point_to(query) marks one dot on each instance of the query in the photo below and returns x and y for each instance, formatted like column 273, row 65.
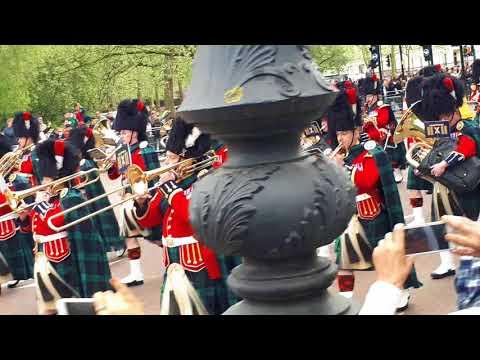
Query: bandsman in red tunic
column 378, row 202
column 131, row 121
column 380, row 124
column 170, row 207
column 27, row 131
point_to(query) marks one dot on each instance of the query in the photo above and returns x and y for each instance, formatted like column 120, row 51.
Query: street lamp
column 401, row 60
column 270, row 203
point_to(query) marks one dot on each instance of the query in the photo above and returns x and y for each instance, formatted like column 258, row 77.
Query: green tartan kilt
column 415, row 182
column 18, row 252
column 66, row 271
column 476, row 120
column 215, row 294
column 106, row 222
column 375, row 231
column 397, row 155
column 470, row 203
column 85, row 284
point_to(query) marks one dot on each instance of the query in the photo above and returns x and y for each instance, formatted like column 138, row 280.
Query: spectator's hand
column 389, row 258
column 123, row 302
column 466, row 235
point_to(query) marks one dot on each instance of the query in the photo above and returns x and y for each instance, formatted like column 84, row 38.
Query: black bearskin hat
column 430, row 70
column 341, row 116
column 5, row 146
column 187, row 140
column 476, row 72
column 132, row 115
column 82, row 138
column 371, row 85
column 25, row 125
column 441, row 94
column 57, row 158
column 413, row 93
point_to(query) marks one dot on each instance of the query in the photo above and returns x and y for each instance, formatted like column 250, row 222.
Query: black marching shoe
column 437, row 276
column 404, row 301
column 134, row 283
column 13, row 284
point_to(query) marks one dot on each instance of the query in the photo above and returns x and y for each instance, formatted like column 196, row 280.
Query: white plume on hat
column 190, row 141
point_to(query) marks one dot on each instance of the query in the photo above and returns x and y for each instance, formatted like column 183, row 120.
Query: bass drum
column 462, row 178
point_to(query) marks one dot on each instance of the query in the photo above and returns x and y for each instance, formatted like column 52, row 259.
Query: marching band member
column 169, row 206
column 105, row 222
column 16, row 240
column 76, row 254
column 382, row 126
column 475, row 91
column 415, row 184
column 378, row 201
column 131, row 121
column 442, row 98
column 27, row 130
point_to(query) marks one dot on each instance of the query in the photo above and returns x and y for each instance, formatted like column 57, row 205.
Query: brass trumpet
column 138, row 180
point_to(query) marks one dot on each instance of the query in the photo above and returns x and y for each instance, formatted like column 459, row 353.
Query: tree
column 332, row 57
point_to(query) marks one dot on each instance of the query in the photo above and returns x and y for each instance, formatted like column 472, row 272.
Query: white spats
column 397, row 174
column 136, row 275
column 403, row 301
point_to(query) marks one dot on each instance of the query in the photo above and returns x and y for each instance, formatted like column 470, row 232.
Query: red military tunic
column 222, row 154
column 137, row 159
column 55, row 245
column 178, row 233
column 384, row 121
column 8, row 228
column 26, row 169
column 366, row 177
column 466, row 146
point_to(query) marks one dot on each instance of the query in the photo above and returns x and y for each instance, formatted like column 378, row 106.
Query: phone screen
column 427, row 238
column 76, row 307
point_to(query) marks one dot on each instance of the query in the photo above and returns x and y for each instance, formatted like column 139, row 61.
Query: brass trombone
column 14, row 199
column 138, row 180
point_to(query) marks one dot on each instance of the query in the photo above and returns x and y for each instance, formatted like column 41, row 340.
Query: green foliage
column 332, row 57
column 49, row 80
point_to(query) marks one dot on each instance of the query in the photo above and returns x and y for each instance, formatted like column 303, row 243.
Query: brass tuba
column 411, row 126
column 12, row 160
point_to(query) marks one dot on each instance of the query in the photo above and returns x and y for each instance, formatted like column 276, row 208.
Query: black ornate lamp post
column 270, row 203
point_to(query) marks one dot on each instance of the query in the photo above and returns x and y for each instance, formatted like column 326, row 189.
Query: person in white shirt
column 393, row 266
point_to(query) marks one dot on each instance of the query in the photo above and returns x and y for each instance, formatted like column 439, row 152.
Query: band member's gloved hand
column 389, row 258
column 168, row 185
column 438, row 169
column 364, row 137
column 465, row 234
column 122, row 302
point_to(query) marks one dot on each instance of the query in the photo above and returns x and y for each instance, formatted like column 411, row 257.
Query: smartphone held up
column 426, row 238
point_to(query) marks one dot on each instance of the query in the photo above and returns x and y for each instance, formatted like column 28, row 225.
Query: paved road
column 435, row 297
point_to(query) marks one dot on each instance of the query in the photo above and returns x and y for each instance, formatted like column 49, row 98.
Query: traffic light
column 427, row 53
column 388, row 60
column 375, row 51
